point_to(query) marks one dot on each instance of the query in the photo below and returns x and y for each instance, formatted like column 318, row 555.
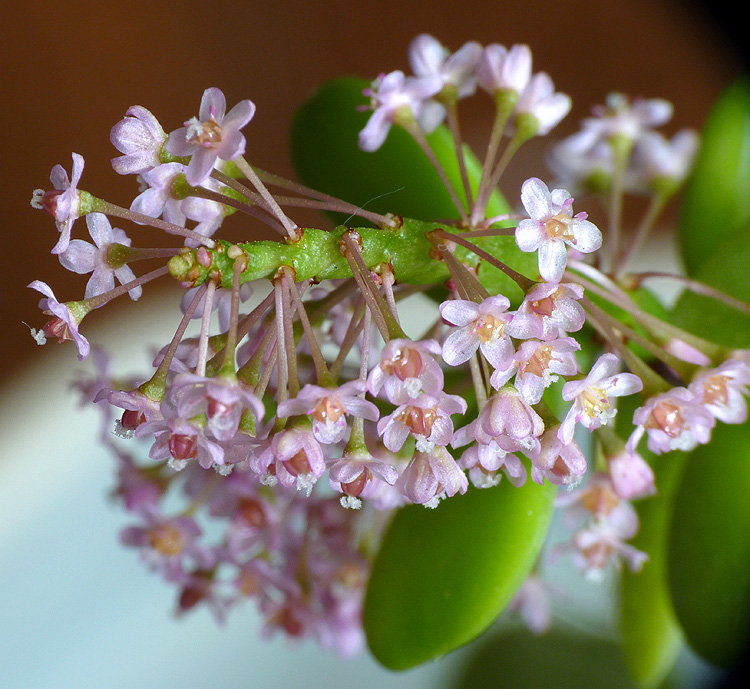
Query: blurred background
column 71, row 69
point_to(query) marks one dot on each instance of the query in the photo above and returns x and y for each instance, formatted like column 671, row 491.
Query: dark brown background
column 71, row 70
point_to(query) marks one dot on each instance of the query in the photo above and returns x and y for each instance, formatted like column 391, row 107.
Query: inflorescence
column 313, row 398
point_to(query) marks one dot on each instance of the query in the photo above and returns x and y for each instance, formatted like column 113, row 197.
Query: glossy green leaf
column 716, row 201
column 397, row 178
column 727, row 270
column 651, row 635
column 556, row 660
column 443, row 575
column 709, row 547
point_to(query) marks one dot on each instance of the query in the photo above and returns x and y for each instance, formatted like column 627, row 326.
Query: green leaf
column 556, row 660
column 651, row 635
column 443, row 575
column 709, row 547
column 716, row 201
column 727, row 271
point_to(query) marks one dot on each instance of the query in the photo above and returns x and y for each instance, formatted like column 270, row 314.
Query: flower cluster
column 295, row 430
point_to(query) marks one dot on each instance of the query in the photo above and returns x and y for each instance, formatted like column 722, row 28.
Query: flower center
column 600, row 500
column 666, row 417
column 206, row 134
column 558, row 228
column 595, row 402
column 539, row 362
column 298, row 465
column 418, row 420
column 715, row 390
column 406, row 363
column 183, row 446
column 488, row 328
column 328, row 410
column 166, row 539
column 354, row 488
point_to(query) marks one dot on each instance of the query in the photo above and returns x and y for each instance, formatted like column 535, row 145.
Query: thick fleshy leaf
column 727, row 271
column 651, row 635
column 556, row 660
column 709, row 547
column 716, row 201
column 443, row 575
column 397, row 178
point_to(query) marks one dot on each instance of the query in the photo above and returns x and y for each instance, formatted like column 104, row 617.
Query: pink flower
column 560, row 463
column 552, row 226
column 211, row 135
column 591, row 406
column 222, row 400
column 501, row 70
column 541, row 106
column 658, row 161
column 631, row 475
column 394, row 95
column 426, row 418
column 557, row 308
column 65, row 319
column 295, row 458
column 328, row 409
column 353, row 476
column 178, row 441
column 721, row 390
column 406, row 370
column 167, row 543
column 82, row 257
column 428, row 57
column 506, row 415
column 486, row 326
column 621, row 118
column 140, row 137
column 674, row 420
column 537, row 365
column 64, row 203
column 430, row 476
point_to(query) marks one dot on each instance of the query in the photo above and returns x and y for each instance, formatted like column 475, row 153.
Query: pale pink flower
column 631, row 475
column 329, row 407
column 621, row 118
column 406, row 370
column 558, row 462
column 64, row 203
column 551, row 226
column 501, row 70
column 536, row 365
column 157, row 199
column 214, row 134
column 674, row 420
column 167, row 544
column 395, row 95
column 64, row 322
column 542, row 105
column 661, row 163
column 486, row 326
column 557, row 308
column 722, row 390
column 591, row 404
column 82, row 257
column 222, row 399
column 427, row 418
column 141, row 138
column 428, row 57
column 294, row 457
column 430, row 476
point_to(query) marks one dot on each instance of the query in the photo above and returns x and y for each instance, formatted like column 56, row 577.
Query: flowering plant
column 288, row 451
